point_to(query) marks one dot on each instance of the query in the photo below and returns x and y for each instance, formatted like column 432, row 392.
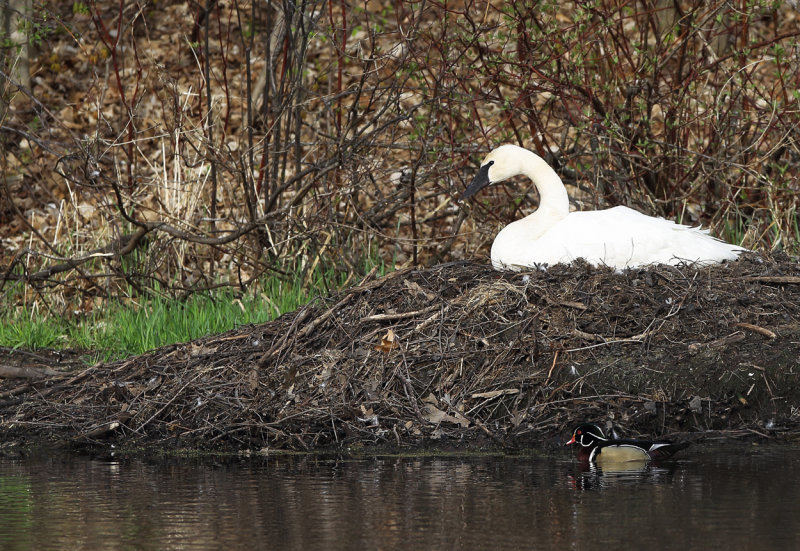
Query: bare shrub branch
column 197, row 148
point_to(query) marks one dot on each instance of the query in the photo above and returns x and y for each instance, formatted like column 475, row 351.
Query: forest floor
column 453, row 357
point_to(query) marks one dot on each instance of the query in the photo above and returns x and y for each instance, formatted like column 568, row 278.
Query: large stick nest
column 458, row 355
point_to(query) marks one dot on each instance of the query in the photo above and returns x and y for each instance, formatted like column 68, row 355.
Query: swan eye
column 490, row 163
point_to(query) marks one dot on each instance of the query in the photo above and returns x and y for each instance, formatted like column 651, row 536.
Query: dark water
column 716, row 497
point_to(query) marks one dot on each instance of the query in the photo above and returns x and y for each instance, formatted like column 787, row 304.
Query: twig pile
column 457, row 354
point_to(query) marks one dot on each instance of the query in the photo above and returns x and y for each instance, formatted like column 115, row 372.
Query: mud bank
column 456, row 356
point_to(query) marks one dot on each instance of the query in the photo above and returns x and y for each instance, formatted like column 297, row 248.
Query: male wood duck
column 594, row 447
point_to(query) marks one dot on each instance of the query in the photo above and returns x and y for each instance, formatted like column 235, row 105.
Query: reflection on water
column 597, row 478
column 739, row 497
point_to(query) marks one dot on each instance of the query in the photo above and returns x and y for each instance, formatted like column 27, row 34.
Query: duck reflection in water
column 589, row 476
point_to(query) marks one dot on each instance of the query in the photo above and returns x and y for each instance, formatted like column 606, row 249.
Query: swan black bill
column 480, row 181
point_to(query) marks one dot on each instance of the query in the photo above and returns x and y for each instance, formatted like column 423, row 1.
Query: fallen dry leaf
column 430, row 399
column 435, row 416
column 416, row 290
column 388, row 342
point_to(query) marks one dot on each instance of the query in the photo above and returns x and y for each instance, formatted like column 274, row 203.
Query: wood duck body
column 594, row 447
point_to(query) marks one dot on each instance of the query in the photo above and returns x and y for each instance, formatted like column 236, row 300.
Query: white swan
column 618, row 237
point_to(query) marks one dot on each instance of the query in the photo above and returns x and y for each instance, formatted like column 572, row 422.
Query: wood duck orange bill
column 593, row 446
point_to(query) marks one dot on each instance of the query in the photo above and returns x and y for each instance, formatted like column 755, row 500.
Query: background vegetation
column 169, row 147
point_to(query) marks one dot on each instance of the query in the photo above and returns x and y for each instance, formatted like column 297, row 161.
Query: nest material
column 459, row 355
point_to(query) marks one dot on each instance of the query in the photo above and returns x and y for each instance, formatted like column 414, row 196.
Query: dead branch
column 14, row 372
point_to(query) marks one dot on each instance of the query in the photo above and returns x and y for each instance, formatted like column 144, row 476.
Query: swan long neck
column 553, row 198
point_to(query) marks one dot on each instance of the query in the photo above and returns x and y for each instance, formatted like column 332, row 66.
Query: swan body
column 618, row 237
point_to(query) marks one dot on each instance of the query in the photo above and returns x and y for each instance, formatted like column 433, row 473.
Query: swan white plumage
column 618, row 237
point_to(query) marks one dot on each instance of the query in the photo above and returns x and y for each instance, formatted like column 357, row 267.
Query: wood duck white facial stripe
column 588, row 436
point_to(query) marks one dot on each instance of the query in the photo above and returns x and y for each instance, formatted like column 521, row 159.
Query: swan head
column 502, row 163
